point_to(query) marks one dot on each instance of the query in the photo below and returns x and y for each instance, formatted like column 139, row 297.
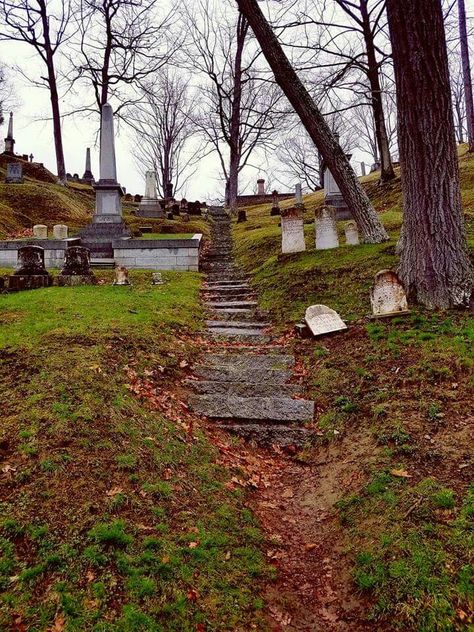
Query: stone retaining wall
column 53, row 251
column 159, row 254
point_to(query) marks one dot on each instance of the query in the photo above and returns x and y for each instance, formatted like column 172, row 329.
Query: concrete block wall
column 159, row 254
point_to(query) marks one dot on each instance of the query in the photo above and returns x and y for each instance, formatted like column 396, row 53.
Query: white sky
column 34, row 135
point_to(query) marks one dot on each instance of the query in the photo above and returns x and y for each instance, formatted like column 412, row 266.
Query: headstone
column 184, row 204
column 175, row 209
column 241, row 217
column 352, row 234
column 185, row 217
column 9, row 140
column 31, row 157
column 75, row 177
column 169, row 215
column 275, row 204
column 363, row 169
column 298, row 194
column 121, row 276
column 260, row 186
column 60, row 231
column 169, row 191
column 323, row 320
column 76, row 270
column 150, row 205
column 88, row 176
column 292, row 231
column 40, row 231
column 30, row 272
column 14, row 173
column 388, row 296
column 157, row 278
column 326, row 229
column 333, row 196
column 375, row 167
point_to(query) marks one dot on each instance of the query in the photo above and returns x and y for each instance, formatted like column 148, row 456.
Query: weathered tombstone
column 352, row 234
column 323, row 320
column 260, row 186
column 298, row 195
column 175, row 209
column 121, row 276
column 157, row 278
column 169, row 215
column 76, row 270
column 241, row 217
column 292, row 231
column 363, row 169
column 275, row 204
column 40, row 231
column 60, row 231
column 388, row 296
column 30, row 272
column 185, row 217
column 326, row 230
column 184, row 205
column 150, row 205
column 14, row 173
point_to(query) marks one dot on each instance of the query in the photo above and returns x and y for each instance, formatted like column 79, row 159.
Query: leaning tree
column 435, row 267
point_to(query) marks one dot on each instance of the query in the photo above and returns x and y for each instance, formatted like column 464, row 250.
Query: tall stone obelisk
column 88, row 175
column 9, row 140
column 107, row 223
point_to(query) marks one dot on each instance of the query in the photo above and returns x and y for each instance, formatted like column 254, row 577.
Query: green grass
column 113, row 515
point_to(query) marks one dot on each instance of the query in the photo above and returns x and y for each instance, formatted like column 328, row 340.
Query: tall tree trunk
column 234, row 136
column 466, row 72
column 364, row 214
column 434, row 266
column 386, row 173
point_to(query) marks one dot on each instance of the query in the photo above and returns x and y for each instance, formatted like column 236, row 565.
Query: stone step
column 231, row 304
column 266, row 435
column 102, row 262
column 229, row 374
column 241, row 324
column 224, row 283
column 216, row 287
column 255, row 361
column 248, row 315
column 232, row 332
column 243, row 389
column 277, row 409
column 225, row 298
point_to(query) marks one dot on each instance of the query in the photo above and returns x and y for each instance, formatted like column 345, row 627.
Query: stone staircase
column 245, row 389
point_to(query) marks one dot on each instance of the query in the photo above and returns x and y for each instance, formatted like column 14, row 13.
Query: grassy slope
column 113, row 517
column 399, row 395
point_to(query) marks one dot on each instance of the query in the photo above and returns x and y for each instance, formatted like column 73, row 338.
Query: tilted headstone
column 326, row 229
column 352, row 234
column 121, row 276
column 60, row 231
column 388, row 297
column 292, row 231
column 76, row 270
column 323, row 320
column 14, row 173
column 40, row 231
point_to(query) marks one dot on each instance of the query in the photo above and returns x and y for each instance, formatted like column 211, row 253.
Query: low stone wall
column 159, row 254
column 53, row 251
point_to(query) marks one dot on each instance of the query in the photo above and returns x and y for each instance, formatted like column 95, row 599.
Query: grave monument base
column 71, row 280
column 18, row 282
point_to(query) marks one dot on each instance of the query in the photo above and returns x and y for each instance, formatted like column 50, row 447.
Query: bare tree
column 367, row 219
column 238, row 110
column 119, row 44
column 163, row 130
column 33, row 22
column 466, row 71
column 435, row 266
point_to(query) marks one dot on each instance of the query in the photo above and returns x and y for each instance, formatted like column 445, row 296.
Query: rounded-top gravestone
column 388, row 296
column 60, row 231
column 77, row 261
column 326, row 229
column 30, row 262
column 352, row 234
column 40, row 231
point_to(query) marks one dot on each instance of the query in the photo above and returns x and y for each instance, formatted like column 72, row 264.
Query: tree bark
column 435, row 267
column 387, row 173
column 466, row 72
column 364, row 214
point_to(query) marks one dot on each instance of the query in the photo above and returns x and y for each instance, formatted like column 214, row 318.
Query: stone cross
column 323, row 320
column 326, row 229
column 387, row 296
column 298, row 194
column 9, row 140
column 31, row 157
column 14, row 173
column 292, row 231
column 352, row 234
column 40, row 231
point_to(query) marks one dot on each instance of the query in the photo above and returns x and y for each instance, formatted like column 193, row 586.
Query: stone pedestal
column 292, row 231
column 241, row 217
column 18, row 282
column 333, row 196
column 150, row 208
column 326, row 230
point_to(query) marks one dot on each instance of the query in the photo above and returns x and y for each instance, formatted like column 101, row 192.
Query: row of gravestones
column 60, row 231
column 292, row 230
column 387, row 299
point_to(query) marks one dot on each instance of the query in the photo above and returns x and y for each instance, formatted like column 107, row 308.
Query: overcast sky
column 33, row 134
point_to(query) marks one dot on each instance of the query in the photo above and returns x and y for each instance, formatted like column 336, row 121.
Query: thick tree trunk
column 386, row 173
column 466, row 72
column 234, row 136
column 364, row 214
column 434, row 267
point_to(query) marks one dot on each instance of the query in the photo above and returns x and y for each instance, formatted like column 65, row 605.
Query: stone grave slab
column 323, row 320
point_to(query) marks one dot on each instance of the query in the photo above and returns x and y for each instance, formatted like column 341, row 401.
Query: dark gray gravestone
column 76, row 269
column 14, row 173
column 30, row 273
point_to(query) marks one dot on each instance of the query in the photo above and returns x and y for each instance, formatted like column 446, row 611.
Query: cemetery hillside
column 237, row 347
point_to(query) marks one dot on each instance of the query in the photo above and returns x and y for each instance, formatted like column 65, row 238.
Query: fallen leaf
column 193, row 545
column 183, row 364
column 90, row 576
column 310, row 546
column 8, row 468
column 165, row 559
column 114, row 491
column 59, row 623
column 288, row 493
column 400, row 473
column 192, row 595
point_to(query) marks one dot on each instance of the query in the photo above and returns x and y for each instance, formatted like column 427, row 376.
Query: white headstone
column 60, row 231
column 326, row 229
column 121, row 276
column 298, row 194
column 388, row 296
column 40, row 231
column 352, row 234
column 150, row 185
column 157, row 278
column 323, row 320
column 292, row 231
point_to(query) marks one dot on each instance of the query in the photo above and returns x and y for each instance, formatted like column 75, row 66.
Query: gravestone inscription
column 388, row 296
column 323, row 320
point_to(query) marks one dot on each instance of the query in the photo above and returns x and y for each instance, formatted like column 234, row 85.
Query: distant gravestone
column 298, row 195
column 40, row 231
column 14, row 173
column 275, row 204
column 157, row 278
column 292, row 231
column 121, row 276
column 326, row 229
column 352, row 234
column 388, row 296
column 323, row 320
column 60, row 231
column 185, row 217
column 76, row 270
column 241, row 217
